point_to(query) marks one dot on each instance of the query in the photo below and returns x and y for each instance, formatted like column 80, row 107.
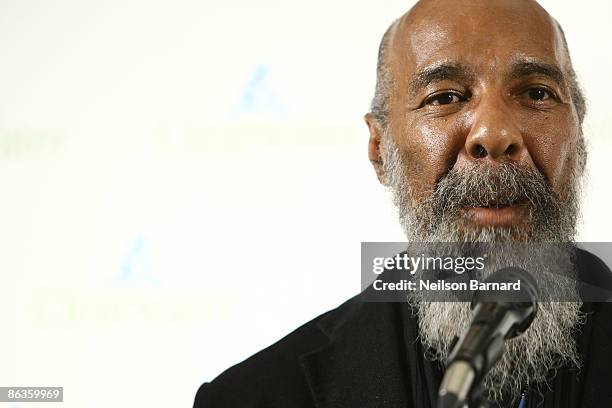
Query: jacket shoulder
column 273, row 377
column 592, row 270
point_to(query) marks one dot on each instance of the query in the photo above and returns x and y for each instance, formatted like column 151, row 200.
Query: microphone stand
column 494, row 321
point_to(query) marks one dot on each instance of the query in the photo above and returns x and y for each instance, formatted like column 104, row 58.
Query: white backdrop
column 185, row 182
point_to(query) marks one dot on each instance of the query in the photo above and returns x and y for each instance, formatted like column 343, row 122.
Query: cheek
column 430, row 148
column 552, row 146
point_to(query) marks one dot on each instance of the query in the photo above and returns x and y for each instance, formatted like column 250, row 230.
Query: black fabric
column 363, row 355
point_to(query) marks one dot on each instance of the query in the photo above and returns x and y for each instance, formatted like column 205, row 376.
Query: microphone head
column 522, row 297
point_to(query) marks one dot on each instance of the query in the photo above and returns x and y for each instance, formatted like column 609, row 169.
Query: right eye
column 443, row 98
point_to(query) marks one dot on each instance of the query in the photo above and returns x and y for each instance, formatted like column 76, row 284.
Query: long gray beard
column 546, row 345
column 549, row 342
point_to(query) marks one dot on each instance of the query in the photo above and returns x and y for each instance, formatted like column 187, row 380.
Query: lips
column 496, row 214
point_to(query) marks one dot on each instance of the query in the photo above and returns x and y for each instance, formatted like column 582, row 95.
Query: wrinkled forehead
column 483, row 34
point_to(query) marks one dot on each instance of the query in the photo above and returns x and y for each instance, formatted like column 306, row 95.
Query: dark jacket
column 364, row 355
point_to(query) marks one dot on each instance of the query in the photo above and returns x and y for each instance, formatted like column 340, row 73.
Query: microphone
column 497, row 316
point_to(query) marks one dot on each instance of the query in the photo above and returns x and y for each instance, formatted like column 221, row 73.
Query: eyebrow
column 440, row 72
column 460, row 72
column 523, row 69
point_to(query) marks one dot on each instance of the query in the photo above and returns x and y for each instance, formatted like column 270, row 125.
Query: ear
column 376, row 134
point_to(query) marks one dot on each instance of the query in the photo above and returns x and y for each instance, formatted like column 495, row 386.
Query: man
column 476, row 127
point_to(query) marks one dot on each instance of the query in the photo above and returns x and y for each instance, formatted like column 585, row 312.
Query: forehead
column 484, row 34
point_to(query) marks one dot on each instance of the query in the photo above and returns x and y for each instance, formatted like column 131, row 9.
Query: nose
column 494, row 134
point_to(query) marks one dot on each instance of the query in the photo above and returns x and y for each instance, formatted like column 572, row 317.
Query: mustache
column 493, row 185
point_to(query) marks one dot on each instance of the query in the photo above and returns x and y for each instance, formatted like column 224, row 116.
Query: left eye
column 539, row 94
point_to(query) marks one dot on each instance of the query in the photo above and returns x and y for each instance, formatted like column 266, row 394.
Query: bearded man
column 476, row 128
